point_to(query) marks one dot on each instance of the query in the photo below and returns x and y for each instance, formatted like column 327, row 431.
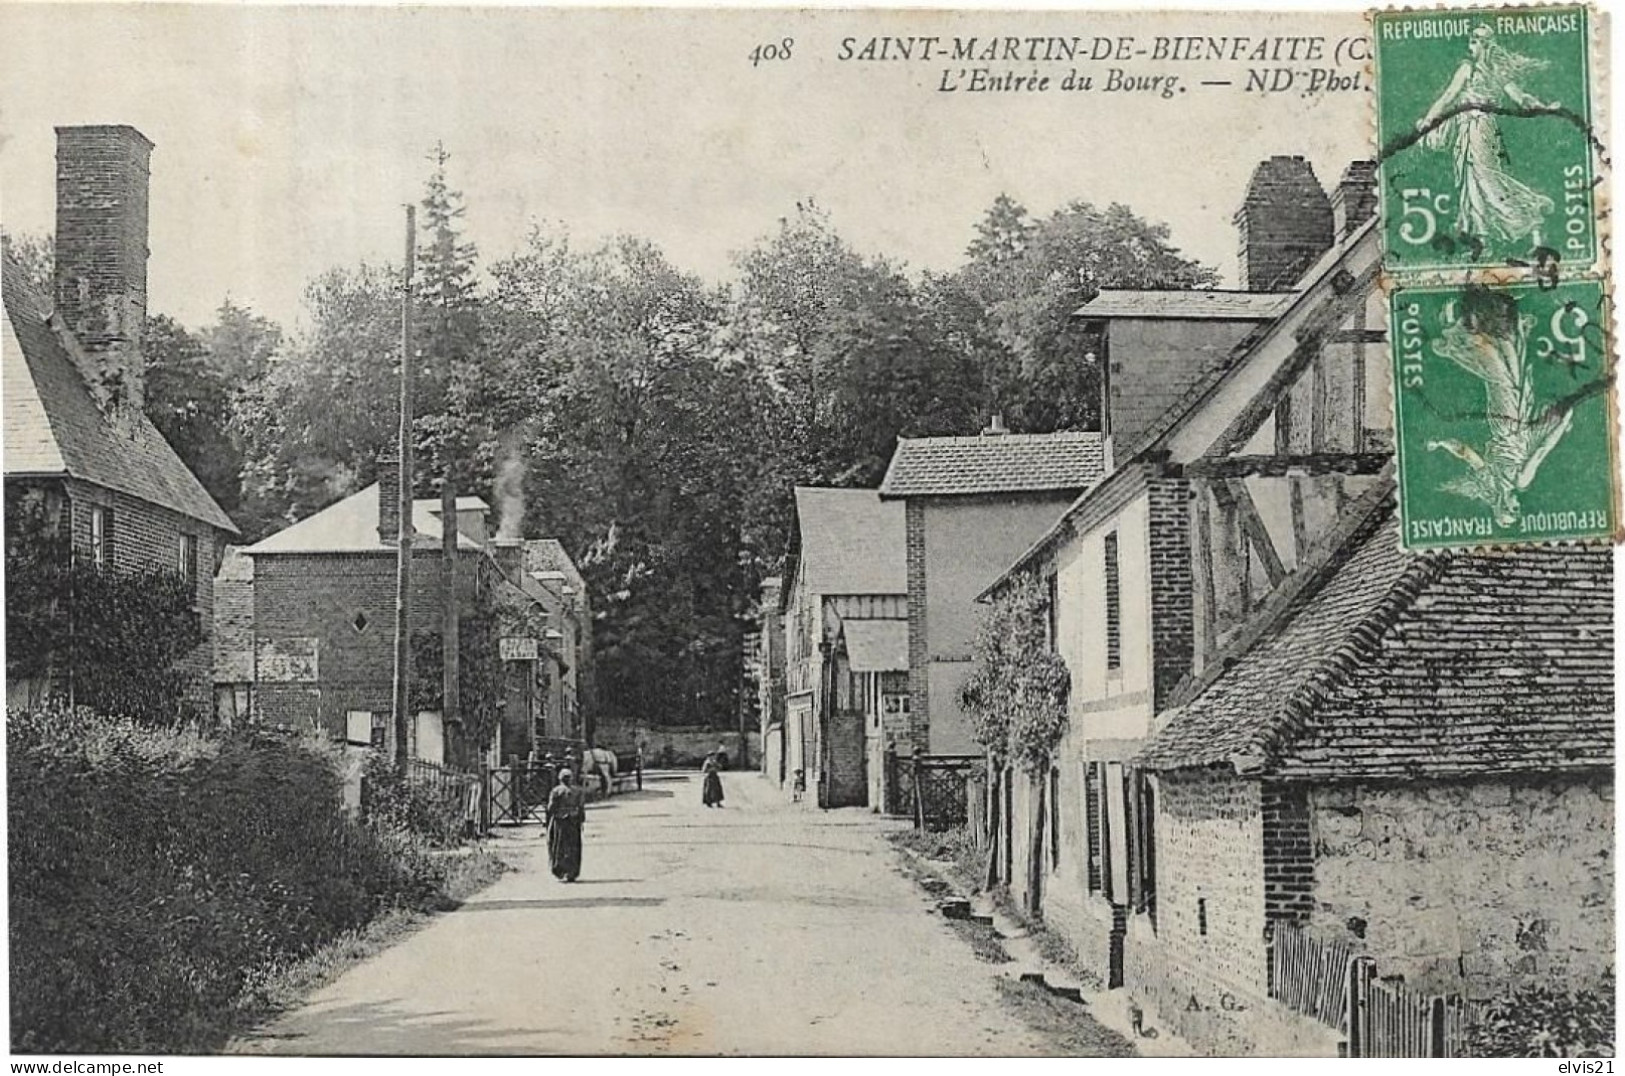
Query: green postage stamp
column 1504, row 413
column 1484, row 131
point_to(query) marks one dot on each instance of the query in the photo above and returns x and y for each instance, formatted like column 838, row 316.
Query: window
column 1055, row 815
column 1052, row 634
column 101, row 536
column 1145, row 845
column 1091, row 822
column 1114, row 608
column 188, row 559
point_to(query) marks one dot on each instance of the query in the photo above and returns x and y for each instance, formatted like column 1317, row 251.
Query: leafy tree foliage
column 655, row 425
column 116, row 637
column 35, row 255
column 1017, row 691
column 189, row 399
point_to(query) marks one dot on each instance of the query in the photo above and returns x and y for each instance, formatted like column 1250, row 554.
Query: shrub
column 1541, row 1022
column 1016, row 693
column 153, row 871
column 391, row 802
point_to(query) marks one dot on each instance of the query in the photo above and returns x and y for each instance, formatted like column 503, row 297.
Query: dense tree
column 189, row 398
column 35, row 255
column 1012, row 303
column 314, row 425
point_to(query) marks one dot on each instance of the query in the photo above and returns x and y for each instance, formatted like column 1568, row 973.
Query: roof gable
column 1004, row 463
column 851, row 542
column 351, row 526
column 1204, row 304
column 52, row 425
column 1399, row 666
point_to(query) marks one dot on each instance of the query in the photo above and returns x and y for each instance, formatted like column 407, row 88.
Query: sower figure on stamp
column 1490, row 203
column 566, row 810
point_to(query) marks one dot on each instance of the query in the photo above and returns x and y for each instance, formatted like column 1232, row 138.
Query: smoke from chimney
column 510, row 492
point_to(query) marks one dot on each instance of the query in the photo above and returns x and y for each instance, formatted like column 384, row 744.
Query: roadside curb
column 1109, row 1008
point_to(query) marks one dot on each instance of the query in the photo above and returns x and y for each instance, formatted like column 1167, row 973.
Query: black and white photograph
column 705, row 532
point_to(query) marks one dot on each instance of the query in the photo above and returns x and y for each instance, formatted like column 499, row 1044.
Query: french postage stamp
column 1484, row 130
column 1503, row 408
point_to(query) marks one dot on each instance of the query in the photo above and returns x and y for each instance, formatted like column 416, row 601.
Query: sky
column 288, row 138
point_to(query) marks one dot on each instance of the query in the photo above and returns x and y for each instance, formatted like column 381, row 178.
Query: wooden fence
column 1310, row 976
column 1333, row 983
column 940, row 785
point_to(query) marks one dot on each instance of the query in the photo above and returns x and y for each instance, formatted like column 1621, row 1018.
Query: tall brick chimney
column 101, row 252
column 389, row 498
column 1285, row 223
column 1355, row 200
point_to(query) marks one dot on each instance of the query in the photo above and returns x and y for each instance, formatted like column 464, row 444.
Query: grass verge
column 280, row 988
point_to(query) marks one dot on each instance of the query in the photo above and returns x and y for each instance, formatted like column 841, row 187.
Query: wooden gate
column 517, row 793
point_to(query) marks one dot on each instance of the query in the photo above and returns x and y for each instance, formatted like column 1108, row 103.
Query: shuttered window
column 1114, row 607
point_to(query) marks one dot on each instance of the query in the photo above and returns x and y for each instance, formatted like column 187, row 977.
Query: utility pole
column 403, row 541
column 450, row 639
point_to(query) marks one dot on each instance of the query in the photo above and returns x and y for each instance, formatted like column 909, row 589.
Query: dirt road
column 758, row 928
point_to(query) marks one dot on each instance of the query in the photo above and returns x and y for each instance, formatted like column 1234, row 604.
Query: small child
column 799, row 787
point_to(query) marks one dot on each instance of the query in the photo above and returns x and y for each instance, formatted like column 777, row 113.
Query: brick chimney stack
column 101, row 252
column 1285, row 224
column 1355, row 200
column 389, row 498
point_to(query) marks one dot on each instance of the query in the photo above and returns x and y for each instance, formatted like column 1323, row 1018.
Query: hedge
column 155, row 872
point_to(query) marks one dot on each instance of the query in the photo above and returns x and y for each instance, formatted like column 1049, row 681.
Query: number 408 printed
column 773, row 50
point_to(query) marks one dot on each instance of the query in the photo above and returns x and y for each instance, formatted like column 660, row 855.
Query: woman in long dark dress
column 566, row 810
column 712, row 796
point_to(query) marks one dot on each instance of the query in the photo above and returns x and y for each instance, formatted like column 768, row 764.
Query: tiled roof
column 351, row 526
column 1208, row 305
column 876, row 645
column 851, row 541
column 1399, row 665
column 53, row 426
column 549, row 555
column 1003, row 463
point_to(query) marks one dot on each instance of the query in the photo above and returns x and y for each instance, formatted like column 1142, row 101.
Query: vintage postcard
column 890, row 533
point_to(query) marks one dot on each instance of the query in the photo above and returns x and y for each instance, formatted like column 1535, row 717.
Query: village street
column 763, row 927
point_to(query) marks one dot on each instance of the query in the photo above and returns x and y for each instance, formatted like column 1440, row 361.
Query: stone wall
column 681, row 746
column 1472, row 886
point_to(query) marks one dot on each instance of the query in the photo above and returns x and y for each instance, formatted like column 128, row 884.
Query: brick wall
column 146, row 537
column 321, row 596
column 1210, row 876
column 101, row 248
column 1285, row 224
column 234, row 619
column 1173, row 618
column 848, row 783
column 1471, row 886
column 919, row 673
column 1289, row 866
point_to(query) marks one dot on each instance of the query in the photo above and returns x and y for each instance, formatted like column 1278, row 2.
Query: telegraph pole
column 403, row 540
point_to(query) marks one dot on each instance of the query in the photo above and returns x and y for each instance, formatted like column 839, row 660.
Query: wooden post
column 403, row 538
column 1361, row 970
column 450, row 642
column 1436, row 1027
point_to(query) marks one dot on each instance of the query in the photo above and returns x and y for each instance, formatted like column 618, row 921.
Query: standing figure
column 1466, row 122
column 566, row 810
column 712, row 795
